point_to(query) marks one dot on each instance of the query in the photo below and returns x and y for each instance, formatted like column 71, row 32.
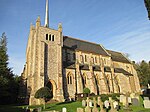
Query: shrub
column 104, row 97
column 86, row 90
column 114, row 96
column 43, row 92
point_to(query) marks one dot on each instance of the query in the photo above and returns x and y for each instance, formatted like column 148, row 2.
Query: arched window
column 97, row 78
column 69, row 78
column 92, row 60
column 85, row 58
column 95, row 59
column 74, row 56
column 46, row 36
column 84, row 79
column 52, row 37
column 82, row 59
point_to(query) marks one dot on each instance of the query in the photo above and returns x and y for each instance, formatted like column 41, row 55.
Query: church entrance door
column 52, row 86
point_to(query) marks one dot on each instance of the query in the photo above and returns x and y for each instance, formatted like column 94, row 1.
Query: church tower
column 44, row 59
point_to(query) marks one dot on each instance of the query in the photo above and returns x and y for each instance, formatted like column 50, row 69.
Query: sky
column 120, row 25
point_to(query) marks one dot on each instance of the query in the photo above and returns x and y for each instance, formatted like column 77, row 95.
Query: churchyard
column 123, row 103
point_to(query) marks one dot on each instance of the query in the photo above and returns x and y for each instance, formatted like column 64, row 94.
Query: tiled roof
column 117, row 56
column 82, row 45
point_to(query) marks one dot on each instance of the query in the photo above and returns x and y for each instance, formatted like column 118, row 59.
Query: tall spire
column 47, row 15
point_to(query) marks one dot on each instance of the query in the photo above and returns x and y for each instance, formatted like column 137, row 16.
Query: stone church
column 67, row 65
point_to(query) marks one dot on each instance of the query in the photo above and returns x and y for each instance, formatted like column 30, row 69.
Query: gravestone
column 80, row 110
column 129, row 100
column 90, row 103
column 100, row 104
column 98, row 100
column 83, row 103
column 146, row 98
column 111, row 105
column 122, row 98
column 116, row 105
column 64, row 109
column 87, row 108
column 106, row 104
column 135, row 102
column 146, row 103
column 95, row 106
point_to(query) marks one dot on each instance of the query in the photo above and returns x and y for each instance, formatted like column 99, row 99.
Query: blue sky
column 120, row 25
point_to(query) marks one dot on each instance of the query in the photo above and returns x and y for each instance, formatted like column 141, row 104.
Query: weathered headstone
column 64, row 109
column 146, row 98
column 83, row 103
column 98, row 100
column 80, row 110
column 116, row 105
column 106, row 104
column 90, row 103
column 146, row 103
column 95, row 106
column 39, row 109
column 135, row 102
column 129, row 100
column 122, row 98
column 111, row 105
column 100, row 104
column 87, row 108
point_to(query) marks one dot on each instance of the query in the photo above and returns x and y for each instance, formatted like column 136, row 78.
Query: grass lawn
column 71, row 107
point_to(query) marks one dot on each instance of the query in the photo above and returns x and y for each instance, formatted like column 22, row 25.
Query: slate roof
column 117, row 56
column 96, row 68
column 120, row 70
column 82, row 45
column 84, row 67
column 69, row 65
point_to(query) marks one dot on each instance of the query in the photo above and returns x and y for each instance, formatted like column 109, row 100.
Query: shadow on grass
column 65, row 103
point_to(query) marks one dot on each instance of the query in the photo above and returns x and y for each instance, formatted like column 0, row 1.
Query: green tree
column 3, row 56
column 143, row 71
column 147, row 5
column 8, row 82
column 43, row 93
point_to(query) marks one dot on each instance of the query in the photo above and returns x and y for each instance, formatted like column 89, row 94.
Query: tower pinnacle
column 47, row 15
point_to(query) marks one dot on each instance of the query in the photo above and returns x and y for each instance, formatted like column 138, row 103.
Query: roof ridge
column 114, row 51
column 126, row 57
column 105, row 49
column 82, row 40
